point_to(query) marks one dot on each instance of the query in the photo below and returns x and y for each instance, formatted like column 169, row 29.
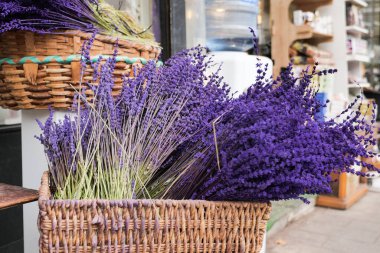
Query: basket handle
column 75, row 71
column 44, row 190
column 30, row 71
column 29, row 44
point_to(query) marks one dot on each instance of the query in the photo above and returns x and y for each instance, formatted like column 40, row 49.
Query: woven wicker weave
column 149, row 225
column 38, row 70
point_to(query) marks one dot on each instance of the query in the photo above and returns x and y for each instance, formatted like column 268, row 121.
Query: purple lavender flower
column 272, row 147
column 139, row 132
column 175, row 133
column 48, row 16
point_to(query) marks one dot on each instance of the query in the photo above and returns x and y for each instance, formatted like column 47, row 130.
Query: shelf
column 360, row 3
column 311, row 5
column 284, row 33
column 319, row 67
column 371, row 90
column 359, row 85
column 358, row 58
column 306, row 32
column 318, row 37
column 374, row 161
column 342, row 203
column 369, row 10
column 356, row 30
column 11, row 195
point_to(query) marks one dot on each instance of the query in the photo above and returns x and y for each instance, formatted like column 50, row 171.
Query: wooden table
column 11, row 195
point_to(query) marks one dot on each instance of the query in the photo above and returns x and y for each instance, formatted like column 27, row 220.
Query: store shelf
column 11, row 195
column 319, row 67
column 358, row 58
column 306, row 2
column 343, row 200
column 358, row 85
column 306, row 32
column 311, row 5
column 318, row 37
column 284, row 32
column 369, row 10
column 360, row 3
column 356, row 30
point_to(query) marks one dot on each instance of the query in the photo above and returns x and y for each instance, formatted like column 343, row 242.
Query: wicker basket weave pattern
column 41, row 70
column 149, row 225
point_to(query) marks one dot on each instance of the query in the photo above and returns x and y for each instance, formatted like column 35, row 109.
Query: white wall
column 338, row 46
column 195, row 23
column 33, row 164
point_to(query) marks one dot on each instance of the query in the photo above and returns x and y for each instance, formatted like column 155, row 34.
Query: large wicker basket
column 149, row 225
column 42, row 70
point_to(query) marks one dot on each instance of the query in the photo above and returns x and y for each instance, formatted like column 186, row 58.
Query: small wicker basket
column 42, row 70
column 149, row 225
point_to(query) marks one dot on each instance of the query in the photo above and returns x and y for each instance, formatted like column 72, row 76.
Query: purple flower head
column 141, row 130
column 269, row 145
column 49, row 16
column 174, row 132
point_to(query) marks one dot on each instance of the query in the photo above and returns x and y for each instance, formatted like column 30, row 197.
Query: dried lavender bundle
column 112, row 148
column 176, row 133
column 272, row 147
column 48, row 16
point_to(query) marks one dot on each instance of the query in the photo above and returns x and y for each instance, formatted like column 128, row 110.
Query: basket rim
column 72, row 58
column 45, row 198
column 146, row 45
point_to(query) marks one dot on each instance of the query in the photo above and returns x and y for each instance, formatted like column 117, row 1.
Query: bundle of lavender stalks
column 175, row 132
column 54, row 16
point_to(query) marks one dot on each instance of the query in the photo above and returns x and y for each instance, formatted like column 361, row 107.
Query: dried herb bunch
column 48, row 16
column 272, row 146
column 112, row 148
column 176, row 133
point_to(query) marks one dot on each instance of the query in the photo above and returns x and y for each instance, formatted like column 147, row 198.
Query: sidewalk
column 356, row 230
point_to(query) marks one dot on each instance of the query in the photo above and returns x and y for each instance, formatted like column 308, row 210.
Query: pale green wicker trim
column 74, row 57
